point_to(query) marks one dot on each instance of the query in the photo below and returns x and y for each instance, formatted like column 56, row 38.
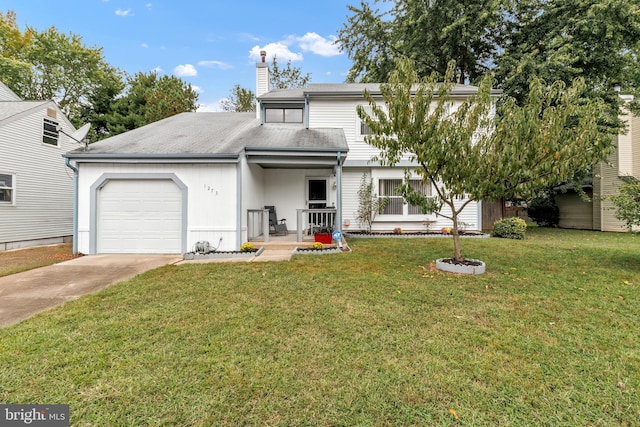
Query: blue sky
column 211, row 44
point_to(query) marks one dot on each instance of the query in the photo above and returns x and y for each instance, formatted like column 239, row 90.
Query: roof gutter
column 152, row 158
column 298, row 149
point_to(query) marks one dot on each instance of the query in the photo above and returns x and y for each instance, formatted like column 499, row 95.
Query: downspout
column 339, row 193
column 75, row 204
column 260, row 112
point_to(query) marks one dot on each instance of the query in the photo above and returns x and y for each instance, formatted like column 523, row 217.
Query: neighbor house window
column 388, row 188
column 364, row 129
column 7, row 188
column 283, row 115
column 50, row 132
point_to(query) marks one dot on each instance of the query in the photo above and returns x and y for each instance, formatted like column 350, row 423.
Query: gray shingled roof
column 213, row 134
column 347, row 89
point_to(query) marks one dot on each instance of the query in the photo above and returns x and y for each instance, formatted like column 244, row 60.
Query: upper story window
column 7, row 189
column 50, row 133
column 364, row 129
column 388, row 188
column 283, row 115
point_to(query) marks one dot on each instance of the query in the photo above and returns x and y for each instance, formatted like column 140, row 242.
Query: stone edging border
column 223, row 254
column 413, row 236
column 296, row 251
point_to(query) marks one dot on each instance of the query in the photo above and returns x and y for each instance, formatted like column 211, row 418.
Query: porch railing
column 258, row 224
column 310, row 221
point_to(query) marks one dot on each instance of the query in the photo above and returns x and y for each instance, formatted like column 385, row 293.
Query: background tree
column 287, row 78
column 627, row 202
column 596, row 40
column 240, row 100
column 149, row 98
column 50, row 65
column 14, row 68
column 475, row 155
column 431, row 33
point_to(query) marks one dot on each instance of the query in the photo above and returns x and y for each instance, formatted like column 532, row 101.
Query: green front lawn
column 549, row 336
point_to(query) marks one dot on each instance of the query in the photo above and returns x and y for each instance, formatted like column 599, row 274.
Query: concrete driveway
column 24, row 294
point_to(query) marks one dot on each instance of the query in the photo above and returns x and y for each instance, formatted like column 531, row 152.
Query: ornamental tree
column 627, row 202
column 483, row 149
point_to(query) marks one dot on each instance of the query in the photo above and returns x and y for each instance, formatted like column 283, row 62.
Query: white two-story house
column 208, row 176
column 36, row 189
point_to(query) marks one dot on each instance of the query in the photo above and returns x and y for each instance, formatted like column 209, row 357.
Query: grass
column 15, row 261
column 549, row 336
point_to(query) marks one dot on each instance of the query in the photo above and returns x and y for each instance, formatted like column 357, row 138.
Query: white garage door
column 139, row 217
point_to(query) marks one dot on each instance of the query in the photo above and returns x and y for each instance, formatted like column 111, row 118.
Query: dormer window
column 283, row 115
column 50, row 133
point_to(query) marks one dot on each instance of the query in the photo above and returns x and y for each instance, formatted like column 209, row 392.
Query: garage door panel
column 140, row 216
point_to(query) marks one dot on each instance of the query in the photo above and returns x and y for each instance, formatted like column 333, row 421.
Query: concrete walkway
column 25, row 294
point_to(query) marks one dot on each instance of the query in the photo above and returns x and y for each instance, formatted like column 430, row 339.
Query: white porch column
column 339, row 194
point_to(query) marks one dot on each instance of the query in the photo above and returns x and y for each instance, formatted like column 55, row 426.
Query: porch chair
column 276, row 226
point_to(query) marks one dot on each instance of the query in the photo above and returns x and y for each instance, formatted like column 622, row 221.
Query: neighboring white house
column 36, row 188
column 208, row 176
column 623, row 163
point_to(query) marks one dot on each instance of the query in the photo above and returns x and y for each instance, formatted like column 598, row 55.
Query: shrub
column 627, row 202
column 543, row 209
column 317, row 245
column 510, row 228
column 247, row 247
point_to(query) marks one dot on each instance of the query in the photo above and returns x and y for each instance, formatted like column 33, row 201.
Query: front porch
column 309, row 222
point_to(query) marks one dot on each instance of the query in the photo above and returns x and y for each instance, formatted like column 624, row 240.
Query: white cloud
column 197, row 89
column 279, row 50
column 315, row 43
column 148, row 6
column 121, row 12
column 144, row 45
column 215, row 64
column 186, row 70
column 249, row 36
column 212, row 107
column 158, row 70
column 310, row 42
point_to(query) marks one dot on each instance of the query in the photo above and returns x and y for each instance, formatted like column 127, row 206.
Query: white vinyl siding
column 43, row 197
column 211, row 200
column 351, row 177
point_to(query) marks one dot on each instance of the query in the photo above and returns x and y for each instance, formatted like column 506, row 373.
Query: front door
column 317, row 193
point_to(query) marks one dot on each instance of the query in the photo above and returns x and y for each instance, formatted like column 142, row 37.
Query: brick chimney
column 262, row 79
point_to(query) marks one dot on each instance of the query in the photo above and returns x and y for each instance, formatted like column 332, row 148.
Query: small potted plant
column 323, row 235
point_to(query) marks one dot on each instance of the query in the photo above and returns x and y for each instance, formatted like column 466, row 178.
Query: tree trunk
column 457, row 254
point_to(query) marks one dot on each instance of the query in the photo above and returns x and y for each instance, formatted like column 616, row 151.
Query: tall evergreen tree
column 431, row 33
column 149, row 98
